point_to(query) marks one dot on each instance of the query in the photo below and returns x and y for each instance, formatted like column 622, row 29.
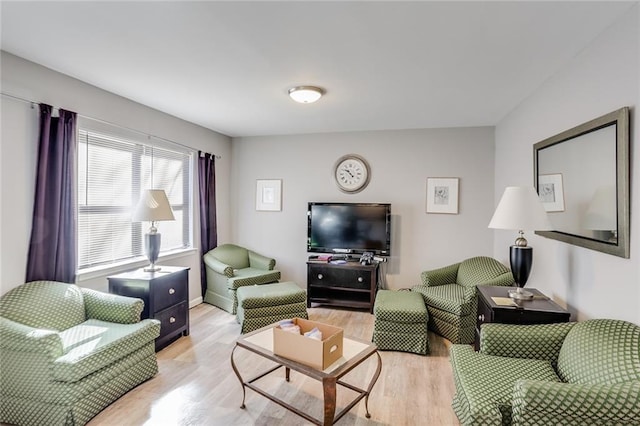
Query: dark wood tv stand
column 349, row 285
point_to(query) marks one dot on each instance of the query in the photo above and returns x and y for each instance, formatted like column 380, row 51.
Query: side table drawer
column 524, row 317
column 484, row 315
column 168, row 292
column 172, row 319
column 339, row 277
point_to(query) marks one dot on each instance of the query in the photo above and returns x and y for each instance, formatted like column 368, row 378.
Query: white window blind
column 112, row 171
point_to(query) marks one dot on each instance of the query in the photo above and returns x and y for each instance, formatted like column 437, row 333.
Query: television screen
column 349, row 228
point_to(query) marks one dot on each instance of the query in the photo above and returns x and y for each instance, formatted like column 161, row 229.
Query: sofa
column 585, row 373
column 67, row 352
column 451, row 297
column 229, row 267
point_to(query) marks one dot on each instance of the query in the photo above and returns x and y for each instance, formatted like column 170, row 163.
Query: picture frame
column 442, row 195
column 551, row 192
column 269, row 195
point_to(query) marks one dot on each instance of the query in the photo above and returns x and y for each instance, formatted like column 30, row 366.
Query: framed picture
column 442, row 195
column 269, row 195
column 551, row 192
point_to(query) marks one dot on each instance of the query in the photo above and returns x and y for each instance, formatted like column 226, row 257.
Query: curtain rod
column 33, row 103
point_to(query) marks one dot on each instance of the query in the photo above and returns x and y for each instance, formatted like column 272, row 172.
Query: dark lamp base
column 152, row 248
column 521, row 259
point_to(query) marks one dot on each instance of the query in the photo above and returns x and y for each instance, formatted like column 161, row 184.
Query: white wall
column 603, row 78
column 19, row 155
column 400, row 161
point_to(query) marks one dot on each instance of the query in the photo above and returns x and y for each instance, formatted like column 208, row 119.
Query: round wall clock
column 352, row 173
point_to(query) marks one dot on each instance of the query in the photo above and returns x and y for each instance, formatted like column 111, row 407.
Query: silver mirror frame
column 620, row 118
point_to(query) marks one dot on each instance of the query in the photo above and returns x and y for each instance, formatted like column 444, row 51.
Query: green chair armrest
column 538, row 341
column 111, row 307
column 550, row 402
column 22, row 338
column 440, row 276
column 217, row 266
column 261, row 262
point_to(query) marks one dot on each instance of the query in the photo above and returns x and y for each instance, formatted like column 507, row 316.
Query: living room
column 600, row 77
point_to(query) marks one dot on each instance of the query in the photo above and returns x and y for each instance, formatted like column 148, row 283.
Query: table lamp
column 154, row 207
column 520, row 209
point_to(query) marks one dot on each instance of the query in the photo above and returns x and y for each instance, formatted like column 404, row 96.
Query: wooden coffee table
column 355, row 351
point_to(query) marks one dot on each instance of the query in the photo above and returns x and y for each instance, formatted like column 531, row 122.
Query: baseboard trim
column 195, row 302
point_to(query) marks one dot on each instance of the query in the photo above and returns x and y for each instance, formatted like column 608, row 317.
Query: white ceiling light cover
column 306, row 94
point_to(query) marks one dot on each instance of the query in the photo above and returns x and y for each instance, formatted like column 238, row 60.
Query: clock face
column 352, row 173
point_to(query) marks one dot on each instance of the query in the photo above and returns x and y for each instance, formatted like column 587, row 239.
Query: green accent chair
column 451, row 296
column 585, row 373
column 67, row 352
column 261, row 305
column 229, row 267
column 400, row 322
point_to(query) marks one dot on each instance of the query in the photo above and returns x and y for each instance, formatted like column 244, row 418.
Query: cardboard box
column 318, row 354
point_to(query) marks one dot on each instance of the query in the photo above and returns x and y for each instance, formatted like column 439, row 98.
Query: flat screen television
column 349, row 228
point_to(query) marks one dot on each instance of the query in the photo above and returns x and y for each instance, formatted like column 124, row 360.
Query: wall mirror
column 582, row 178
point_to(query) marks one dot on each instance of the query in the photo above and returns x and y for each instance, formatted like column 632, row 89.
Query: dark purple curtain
column 52, row 250
column 208, row 228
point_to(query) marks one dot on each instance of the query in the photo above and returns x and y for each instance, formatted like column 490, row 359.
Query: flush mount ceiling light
column 305, row 94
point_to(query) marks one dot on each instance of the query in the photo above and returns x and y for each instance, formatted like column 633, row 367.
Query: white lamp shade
column 306, row 94
column 153, row 207
column 520, row 209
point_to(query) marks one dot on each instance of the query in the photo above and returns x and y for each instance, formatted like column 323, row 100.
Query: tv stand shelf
column 349, row 285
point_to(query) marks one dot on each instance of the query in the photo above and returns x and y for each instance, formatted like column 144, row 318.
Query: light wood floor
column 196, row 385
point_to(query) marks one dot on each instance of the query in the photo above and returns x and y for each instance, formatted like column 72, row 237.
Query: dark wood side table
column 539, row 310
column 166, row 298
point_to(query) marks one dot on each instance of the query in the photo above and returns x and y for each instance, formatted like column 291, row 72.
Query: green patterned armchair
column 451, row 296
column 585, row 373
column 68, row 352
column 228, row 267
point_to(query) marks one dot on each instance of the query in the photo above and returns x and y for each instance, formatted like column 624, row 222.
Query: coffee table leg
column 235, row 370
column 374, row 379
column 329, row 389
column 287, row 373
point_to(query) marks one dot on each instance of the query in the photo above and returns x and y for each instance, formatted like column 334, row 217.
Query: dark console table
column 165, row 294
column 539, row 310
column 350, row 285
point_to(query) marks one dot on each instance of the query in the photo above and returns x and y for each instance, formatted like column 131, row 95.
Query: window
column 112, row 171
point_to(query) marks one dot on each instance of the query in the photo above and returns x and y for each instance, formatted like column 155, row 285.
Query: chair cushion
column 267, row 295
column 476, row 402
column 600, row 351
column 46, row 305
column 450, row 298
column 252, row 276
column 479, row 269
column 95, row 344
column 400, row 306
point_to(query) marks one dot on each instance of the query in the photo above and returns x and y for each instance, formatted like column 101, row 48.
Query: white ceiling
column 385, row 65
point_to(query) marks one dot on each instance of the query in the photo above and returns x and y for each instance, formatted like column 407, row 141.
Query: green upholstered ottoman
column 400, row 322
column 261, row 305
